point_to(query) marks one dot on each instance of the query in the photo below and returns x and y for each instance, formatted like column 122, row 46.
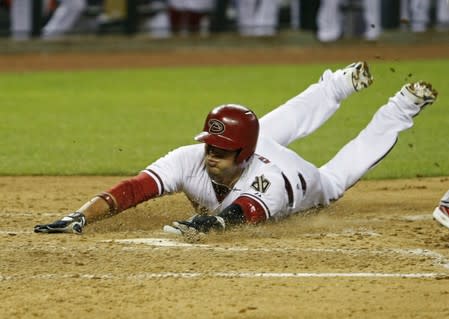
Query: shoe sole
column 363, row 68
column 441, row 217
column 426, row 99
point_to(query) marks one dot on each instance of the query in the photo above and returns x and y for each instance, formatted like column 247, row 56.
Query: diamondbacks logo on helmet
column 216, row 126
column 231, row 127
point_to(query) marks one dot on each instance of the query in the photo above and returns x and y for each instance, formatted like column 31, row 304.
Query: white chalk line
column 27, row 214
column 161, row 243
column 437, row 259
column 15, row 232
column 232, row 274
column 414, row 218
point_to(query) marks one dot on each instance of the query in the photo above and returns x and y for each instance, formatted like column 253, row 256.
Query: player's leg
column 377, row 139
column 20, row 15
column 245, row 16
column 64, row 18
column 442, row 15
column 329, row 21
column 304, row 113
column 372, row 17
column 404, row 13
column 266, row 18
column 420, row 15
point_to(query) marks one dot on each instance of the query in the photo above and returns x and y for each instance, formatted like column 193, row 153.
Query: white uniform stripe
column 154, row 176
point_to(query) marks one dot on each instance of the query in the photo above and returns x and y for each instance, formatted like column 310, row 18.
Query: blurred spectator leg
column 193, row 21
column 442, row 15
column 245, row 16
column 372, row 18
column 329, row 21
column 20, row 14
column 419, row 15
column 257, row 17
column 295, row 14
column 404, row 11
column 177, row 19
column 187, row 16
column 64, row 18
column 159, row 22
column 266, row 18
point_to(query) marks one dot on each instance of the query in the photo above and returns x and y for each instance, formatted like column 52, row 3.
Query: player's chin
column 213, row 171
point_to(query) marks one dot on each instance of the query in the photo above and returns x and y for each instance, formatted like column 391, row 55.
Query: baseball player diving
column 243, row 172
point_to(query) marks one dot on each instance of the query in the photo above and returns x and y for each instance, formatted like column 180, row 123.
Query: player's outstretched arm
column 122, row 196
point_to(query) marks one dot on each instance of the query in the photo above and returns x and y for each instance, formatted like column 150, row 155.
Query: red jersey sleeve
column 254, row 212
column 133, row 191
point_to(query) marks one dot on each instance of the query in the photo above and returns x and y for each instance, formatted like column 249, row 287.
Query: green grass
column 117, row 122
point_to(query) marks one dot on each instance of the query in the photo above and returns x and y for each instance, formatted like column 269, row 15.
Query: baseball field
column 74, row 124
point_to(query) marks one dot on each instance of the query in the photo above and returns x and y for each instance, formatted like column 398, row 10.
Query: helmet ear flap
column 231, row 127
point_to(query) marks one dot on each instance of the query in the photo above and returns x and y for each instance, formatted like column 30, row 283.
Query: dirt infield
column 220, row 56
column 376, row 253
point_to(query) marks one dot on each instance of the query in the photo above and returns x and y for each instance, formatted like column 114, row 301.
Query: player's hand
column 72, row 223
column 198, row 224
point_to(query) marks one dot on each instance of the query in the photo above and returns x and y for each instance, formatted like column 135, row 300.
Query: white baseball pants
column 307, row 111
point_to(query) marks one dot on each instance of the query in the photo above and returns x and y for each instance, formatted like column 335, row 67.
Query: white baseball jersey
column 278, row 178
column 184, row 170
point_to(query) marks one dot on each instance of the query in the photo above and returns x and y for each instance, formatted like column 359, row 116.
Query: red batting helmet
column 231, row 127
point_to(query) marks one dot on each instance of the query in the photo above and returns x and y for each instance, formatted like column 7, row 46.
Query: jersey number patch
column 261, row 184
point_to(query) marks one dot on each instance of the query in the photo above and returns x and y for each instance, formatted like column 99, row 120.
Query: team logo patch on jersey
column 261, row 184
column 216, row 126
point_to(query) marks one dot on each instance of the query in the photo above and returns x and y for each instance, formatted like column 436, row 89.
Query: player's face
column 220, row 164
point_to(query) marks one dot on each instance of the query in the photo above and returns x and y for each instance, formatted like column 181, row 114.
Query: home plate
column 159, row 242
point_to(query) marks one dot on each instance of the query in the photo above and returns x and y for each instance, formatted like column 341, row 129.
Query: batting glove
column 198, row 224
column 72, row 223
